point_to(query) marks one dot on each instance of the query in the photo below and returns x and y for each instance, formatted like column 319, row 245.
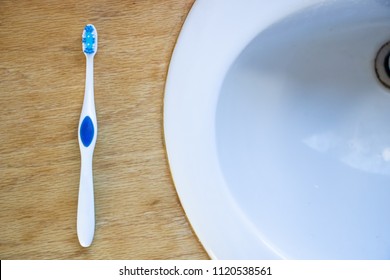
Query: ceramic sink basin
column 277, row 128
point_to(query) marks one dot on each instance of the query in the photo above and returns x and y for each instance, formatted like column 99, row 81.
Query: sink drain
column 382, row 66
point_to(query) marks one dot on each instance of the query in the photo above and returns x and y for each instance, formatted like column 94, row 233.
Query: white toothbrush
column 87, row 133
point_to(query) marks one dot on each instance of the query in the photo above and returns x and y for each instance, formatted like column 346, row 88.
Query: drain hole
column 382, row 67
column 386, row 65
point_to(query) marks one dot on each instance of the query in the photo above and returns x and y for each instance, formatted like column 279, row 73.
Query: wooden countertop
column 138, row 213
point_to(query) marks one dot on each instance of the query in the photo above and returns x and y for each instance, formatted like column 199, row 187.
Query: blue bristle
column 88, row 29
column 89, row 40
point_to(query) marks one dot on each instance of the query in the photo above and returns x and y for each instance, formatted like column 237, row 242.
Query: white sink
column 278, row 130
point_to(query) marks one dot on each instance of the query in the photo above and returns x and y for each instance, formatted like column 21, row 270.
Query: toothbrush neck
column 89, row 78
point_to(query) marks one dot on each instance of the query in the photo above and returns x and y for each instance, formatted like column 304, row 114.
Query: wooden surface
column 42, row 76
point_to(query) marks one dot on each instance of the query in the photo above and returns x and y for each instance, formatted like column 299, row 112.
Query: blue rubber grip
column 87, row 131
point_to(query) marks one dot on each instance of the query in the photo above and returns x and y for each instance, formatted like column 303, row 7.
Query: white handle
column 86, row 205
column 87, row 138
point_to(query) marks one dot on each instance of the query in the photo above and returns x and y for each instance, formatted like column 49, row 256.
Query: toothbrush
column 87, row 133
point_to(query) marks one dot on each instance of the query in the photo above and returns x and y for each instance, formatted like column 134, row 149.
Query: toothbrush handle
column 86, row 206
column 87, row 138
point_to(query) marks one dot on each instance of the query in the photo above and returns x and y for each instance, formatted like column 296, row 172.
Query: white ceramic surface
column 277, row 130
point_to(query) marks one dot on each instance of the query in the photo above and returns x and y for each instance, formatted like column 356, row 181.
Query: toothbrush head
column 90, row 40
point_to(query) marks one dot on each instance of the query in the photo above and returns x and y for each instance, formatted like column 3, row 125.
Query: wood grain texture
column 42, row 76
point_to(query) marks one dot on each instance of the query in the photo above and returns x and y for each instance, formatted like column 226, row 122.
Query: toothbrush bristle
column 89, row 39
